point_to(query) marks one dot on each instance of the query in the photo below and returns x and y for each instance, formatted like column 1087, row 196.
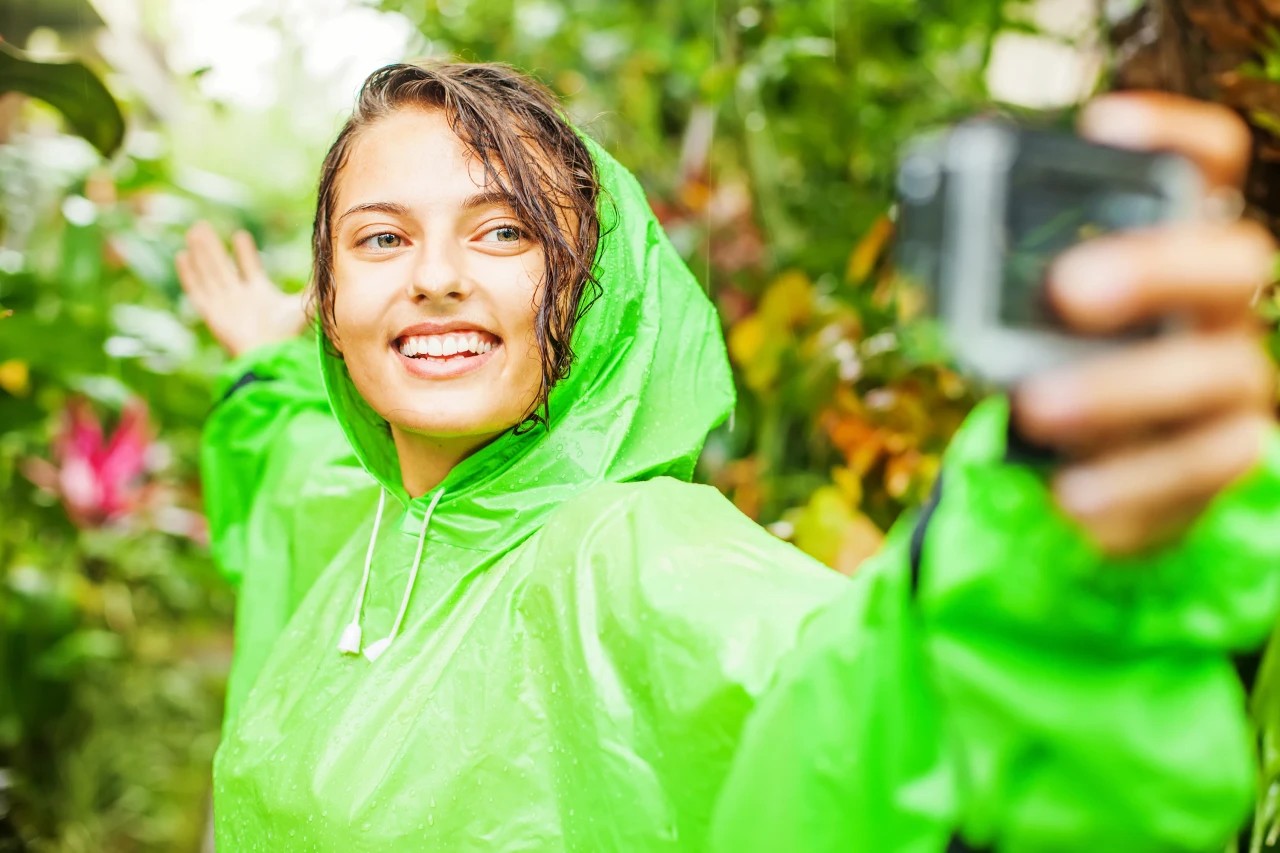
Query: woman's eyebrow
column 492, row 198
column 374, row 207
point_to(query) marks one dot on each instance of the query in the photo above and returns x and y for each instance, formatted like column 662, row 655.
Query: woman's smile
column 446, row 355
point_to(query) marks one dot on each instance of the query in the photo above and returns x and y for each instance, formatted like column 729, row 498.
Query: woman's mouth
column 447, row 354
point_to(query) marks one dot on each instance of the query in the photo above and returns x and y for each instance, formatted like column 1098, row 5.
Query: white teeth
column 443, row 346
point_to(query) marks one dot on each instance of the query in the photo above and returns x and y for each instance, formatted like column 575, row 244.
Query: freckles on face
column 435, row 284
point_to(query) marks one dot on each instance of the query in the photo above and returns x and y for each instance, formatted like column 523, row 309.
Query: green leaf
column 72, row 89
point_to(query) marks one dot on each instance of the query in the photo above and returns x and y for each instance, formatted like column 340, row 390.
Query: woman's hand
column 237, row 301
column 1153, row 432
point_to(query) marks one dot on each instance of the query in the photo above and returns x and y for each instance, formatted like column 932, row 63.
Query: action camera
column 983, row 209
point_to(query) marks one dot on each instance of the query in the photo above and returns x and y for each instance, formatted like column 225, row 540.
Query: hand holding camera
column 1150, row 426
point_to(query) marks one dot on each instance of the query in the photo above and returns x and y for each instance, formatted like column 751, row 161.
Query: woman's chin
column 447, row 429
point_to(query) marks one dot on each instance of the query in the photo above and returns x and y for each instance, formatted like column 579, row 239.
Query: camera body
column 984, row 208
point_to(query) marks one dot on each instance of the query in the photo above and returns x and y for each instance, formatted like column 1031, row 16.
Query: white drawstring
column 351, row 635
column 375, row 650
column 350, row 642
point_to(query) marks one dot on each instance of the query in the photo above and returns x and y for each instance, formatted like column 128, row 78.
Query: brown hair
column 516, row 129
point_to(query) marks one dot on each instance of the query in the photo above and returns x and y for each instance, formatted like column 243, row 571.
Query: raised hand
column 241, row 306
column 1156, row 430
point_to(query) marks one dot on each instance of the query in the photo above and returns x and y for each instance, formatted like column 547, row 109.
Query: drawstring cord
column 349, row 644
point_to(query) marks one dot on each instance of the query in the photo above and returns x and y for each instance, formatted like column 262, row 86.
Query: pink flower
column 98, row 479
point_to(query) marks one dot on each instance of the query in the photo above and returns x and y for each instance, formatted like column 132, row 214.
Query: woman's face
column 435, row 285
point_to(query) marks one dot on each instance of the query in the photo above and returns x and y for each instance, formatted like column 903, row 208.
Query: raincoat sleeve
column 282, row 490
column 270, row 426
column 992, row 682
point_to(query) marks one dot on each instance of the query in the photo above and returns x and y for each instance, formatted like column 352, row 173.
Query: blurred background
column 765, row 133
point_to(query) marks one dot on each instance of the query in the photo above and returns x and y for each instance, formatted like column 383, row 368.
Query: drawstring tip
column 350, row 642
column 375, row 650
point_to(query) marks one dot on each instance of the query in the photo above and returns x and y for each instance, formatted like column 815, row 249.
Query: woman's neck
column 426, row 460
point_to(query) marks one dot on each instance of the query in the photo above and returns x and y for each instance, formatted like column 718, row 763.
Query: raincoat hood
column 649, row 380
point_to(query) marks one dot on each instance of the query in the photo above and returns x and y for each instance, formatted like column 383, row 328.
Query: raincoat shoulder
column 701, row 595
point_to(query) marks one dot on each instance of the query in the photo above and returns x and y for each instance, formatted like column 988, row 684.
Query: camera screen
column 1049, row 212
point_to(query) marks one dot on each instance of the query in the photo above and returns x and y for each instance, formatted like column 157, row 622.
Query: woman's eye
column 507, row 234
column 386, row 240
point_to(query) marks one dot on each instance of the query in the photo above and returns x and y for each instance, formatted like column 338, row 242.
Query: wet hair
column 514, row 126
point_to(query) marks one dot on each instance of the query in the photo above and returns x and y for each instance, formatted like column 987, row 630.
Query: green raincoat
column 565, row 640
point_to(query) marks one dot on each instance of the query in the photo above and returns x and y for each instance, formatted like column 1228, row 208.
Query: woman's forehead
column 412, row 155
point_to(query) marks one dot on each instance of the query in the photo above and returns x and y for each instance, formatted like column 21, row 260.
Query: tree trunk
column 1220, row 50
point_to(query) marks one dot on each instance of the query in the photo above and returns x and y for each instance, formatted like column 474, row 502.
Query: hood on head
column 650, row 379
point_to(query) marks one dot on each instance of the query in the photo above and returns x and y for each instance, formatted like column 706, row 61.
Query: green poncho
column 587, row 634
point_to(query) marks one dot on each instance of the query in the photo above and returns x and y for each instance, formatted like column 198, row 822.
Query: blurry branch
column 72, row 89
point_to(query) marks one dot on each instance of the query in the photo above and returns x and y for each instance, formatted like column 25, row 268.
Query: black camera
column 983, row 209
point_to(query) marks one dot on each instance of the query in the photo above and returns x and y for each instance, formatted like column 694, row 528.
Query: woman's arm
column 993, row 679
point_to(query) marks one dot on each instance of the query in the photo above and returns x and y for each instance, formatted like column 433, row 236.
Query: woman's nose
column 439, row 274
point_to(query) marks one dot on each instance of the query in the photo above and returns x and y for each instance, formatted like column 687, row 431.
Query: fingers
column 208, row 258
column 1136, row 496
column 192, row 283
column 1215, row 139
column 1144, row 389
column 247, row 257
column 1210, row 272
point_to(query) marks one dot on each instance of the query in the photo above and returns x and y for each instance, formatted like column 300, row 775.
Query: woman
column 540, row 637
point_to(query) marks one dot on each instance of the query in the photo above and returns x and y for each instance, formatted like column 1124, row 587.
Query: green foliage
column 72, row 89
column 114, row 637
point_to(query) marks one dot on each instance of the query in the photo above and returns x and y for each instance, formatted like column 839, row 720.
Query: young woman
column 523, row 629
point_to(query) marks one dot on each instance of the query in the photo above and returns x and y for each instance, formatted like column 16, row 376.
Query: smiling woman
column 580, row 650
column 424, row 270
column 494, row 624
column 514, row 167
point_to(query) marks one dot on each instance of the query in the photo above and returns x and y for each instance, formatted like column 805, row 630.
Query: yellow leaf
column 829, row 529
column 788, row 302
column 869, row 250
column 15, row 377
column 849, row 482
column 820, row 526
column 746, row 339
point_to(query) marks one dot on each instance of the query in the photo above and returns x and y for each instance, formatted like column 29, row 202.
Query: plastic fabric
column 595, row 652
column 1027, row 695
